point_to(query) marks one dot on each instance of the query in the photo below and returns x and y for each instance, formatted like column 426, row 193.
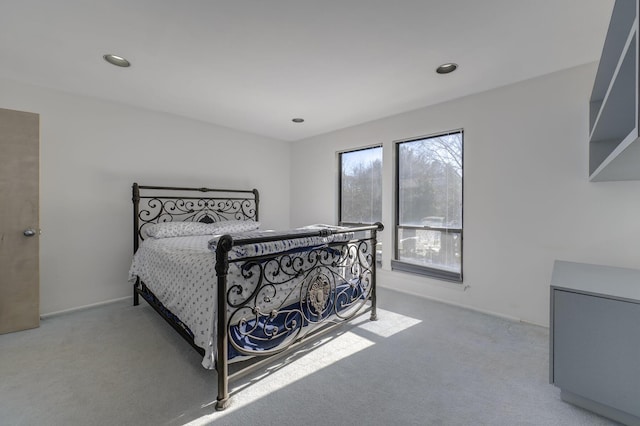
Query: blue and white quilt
column 180, row 271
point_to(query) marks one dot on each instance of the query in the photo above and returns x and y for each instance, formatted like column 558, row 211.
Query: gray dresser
column 595, row 338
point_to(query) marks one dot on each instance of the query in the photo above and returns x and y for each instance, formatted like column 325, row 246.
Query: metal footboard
column 289, row 298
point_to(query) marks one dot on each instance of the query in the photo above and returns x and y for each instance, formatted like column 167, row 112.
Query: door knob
column 29, row 232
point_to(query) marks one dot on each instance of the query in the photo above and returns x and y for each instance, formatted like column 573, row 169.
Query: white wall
column 527, row 198
column 91, row 153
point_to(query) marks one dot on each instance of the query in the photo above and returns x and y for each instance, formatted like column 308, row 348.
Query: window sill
column 438, row 274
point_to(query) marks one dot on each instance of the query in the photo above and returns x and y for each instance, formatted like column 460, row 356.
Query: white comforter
column 180, row 271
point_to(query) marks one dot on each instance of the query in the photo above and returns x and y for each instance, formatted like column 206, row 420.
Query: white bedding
column 180, row 271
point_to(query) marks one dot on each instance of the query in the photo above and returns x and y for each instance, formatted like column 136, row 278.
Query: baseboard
column 82, row 308
column 446, row 302
column 460, row 305
column 599, row 408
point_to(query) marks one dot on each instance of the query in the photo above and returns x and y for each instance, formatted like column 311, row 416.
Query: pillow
column 185, row 229
column 178, row 229
column 229, row 226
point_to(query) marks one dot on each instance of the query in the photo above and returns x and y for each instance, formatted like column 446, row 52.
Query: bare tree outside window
column 361, row 186
column 429, row 206
column 361, row 189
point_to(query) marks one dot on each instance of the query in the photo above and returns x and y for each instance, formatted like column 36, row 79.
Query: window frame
column 413, row 268
column 347, row 151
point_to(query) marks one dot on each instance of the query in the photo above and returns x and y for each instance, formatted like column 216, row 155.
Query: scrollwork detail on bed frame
column 316, row 296
column 206, row 210
column 320, row 293
column 161, row 206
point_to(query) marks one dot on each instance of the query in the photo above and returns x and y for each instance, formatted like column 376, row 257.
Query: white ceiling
column 253, row 65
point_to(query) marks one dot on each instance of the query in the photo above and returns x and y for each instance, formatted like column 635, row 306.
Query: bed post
column 256, row 197
column 136, row 205
column 225, row 243
column 374, row 243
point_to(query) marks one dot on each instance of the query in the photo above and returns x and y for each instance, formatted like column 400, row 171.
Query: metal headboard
column 154, row 204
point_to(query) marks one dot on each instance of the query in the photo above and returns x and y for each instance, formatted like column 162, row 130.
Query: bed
column 236, row 292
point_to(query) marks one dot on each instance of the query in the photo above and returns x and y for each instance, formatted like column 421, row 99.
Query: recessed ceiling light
column 446, row 68
column 298, row 120
column 116, row 60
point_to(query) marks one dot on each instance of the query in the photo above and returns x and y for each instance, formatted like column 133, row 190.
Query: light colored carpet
column 422, row 363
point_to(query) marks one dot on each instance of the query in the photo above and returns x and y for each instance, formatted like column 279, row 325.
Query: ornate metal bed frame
column 336, row 281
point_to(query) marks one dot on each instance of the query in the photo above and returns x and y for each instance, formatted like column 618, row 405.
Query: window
column 428, row 237
column 361, row 190
column 361, row 186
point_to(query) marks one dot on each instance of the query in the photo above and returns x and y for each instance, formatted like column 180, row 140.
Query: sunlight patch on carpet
column 325, row 352
column 388, row 323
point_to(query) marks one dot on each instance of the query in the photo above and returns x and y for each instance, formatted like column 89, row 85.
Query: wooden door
column 19, row 220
